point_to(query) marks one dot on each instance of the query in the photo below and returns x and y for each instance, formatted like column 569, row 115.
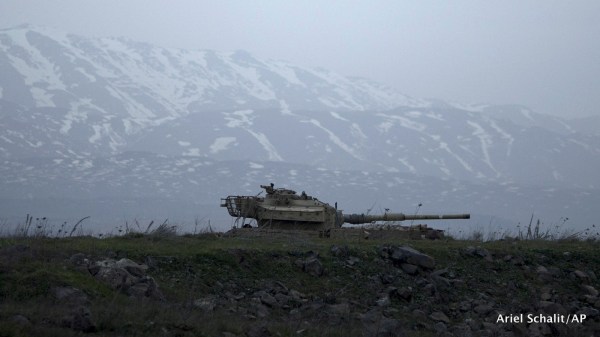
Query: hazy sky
column 544, row 54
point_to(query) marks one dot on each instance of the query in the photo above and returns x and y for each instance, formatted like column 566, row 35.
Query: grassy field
column 214, row 285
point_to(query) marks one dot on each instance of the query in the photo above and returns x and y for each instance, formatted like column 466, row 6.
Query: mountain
column 113, row 119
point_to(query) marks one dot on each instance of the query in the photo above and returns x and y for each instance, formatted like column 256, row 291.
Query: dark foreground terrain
column 216, row 285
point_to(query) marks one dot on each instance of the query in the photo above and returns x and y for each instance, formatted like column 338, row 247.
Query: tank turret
column 285, row 209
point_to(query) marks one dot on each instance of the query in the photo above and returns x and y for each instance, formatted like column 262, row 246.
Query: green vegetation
column 214, row 284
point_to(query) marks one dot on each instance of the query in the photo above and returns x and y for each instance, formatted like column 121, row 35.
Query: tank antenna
column 416, row 211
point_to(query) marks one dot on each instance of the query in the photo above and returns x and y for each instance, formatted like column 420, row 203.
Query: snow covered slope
column 75, row 110
column 109, row 88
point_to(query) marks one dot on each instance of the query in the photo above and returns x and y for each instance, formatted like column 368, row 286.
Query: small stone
column 440, row 327
column 296, row 295
column 408, row 268
column 78, row 259
column 589, row 312
column 138, row 270
column 384, row 301
column 313, row 266
column 339, row 251
column 267, row 299
column 20, row 320
column 80, row 319
column 206, row 304
column 352, row 260
column 477, row 251
column 70, row 294
column 387, row 278
column 376, row 324
column 581, row 275
column 439, row 316
column 258, row 331
column 483, row 309
column 410, row 255
column 590, row 290
column 518, row 261
column 282, row 299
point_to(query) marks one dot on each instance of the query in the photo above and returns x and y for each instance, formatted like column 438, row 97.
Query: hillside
column 122, row 130
column 219, row 285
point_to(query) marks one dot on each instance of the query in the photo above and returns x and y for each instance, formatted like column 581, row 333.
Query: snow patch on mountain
column 221, row 144
column 336, row 140
column 285, row 108
column 444, row 146
column 337, row 116
column 505, row 135
column 250, row 79
column 267, row 145
column 404, row 122
column 239, row 119
column 287, row 72
column 485, row 140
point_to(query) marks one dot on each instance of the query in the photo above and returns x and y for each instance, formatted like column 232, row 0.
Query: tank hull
column 284, row 209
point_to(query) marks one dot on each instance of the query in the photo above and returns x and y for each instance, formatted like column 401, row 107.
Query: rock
column 70, row 295
column 590, row 290
column 377, row 325
column 477, row 251
column 151, row 263
column 206, row 304
column 258, row 331
column 552, row 308
column 440, row 281
column 313, row 266
column 352, row 260
column 408, row 268
column 145, row 287
column 138, row 270
column 518, row 261
column 341, row 309
column 78, row 260
column 266, row 298
column 383, row 301
column 483, row 309
column 439, row 316
column 412, row 256
column 387, row 278
column 543, row 274
column 590, row 313
column 296, row 295
column 581, row 275
column 539, row 329
column 80, row 319
column 338, row 251
column 128, row 277
column 440, row 327
column 282, row 299
column 259, row 310
column 405, row 293
column 281, row 286
column 20, row 320
column 116, row 278
column 465, row 306
column 462, row 329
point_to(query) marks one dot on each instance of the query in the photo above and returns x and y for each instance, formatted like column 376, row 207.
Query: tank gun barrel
column 356, row 219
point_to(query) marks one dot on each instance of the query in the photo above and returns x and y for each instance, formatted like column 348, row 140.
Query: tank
column 285, row 209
